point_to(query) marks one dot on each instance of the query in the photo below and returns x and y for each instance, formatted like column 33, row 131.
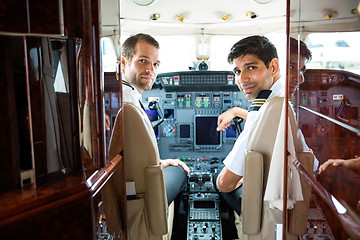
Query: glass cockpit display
column 205, row 131
column 190, row 111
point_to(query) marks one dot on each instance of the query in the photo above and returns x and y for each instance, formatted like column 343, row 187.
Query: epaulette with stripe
column 127, row 84
column 259, row 100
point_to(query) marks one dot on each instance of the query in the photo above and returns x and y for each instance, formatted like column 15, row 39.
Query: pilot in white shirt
column 235, row 159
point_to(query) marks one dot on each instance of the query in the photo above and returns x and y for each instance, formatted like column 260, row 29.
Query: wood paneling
column 329, row 136
column 45, row 16
column 13, row 16
column 9, row 132
column 58, row 211
column 60, row 204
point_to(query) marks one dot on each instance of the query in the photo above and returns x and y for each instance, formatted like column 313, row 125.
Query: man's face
column 297, row 71
column 142, row 69
column 252, row 76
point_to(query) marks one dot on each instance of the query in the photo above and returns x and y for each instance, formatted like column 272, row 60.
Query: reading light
column 331, row 15
column 226, row 17
column 155, row 16
column 252, row 15
column 181, row 18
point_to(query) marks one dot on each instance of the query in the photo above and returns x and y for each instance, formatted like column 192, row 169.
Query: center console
column 191, row 103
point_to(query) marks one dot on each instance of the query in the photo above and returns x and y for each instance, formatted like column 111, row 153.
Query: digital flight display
column 204, row 204
column 205, row 130
column 231, row 131
column 185, row 131
column 152, row 114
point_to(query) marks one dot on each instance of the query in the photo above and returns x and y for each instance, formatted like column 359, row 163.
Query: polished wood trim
column 337, row 122
column 349, row 220
column 28, row 198
column 100, row 177
column 68, row 206
column 45, row 16
column 13, row 16
column 9, row 146
column 330, row 134
column 73, row 18
column 63, row 218
column 285, row 154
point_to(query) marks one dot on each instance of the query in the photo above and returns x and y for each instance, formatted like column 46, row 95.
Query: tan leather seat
column 147, row 214
column 258, row 219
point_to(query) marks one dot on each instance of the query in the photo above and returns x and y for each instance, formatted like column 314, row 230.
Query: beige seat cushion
column 147, row 214
column 258, row 219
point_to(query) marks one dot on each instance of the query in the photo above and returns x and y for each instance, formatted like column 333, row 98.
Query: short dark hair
column 304, row 50
column 128, row 47
column 257, row 45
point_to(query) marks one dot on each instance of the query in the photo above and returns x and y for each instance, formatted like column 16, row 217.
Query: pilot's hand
column 331, row 162
column 175, row 162
column 224, row 120
column 240, row 183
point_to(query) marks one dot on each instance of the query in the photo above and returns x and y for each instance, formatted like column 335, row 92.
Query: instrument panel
column 190, row 115
column 190, row 103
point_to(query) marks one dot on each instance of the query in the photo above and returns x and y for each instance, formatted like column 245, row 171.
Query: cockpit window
column 311, row 45
column 108, row 51
column 334, row 51
column 341, row 43
column 183, row 52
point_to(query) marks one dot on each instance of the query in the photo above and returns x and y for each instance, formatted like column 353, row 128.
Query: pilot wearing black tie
column 139, row 65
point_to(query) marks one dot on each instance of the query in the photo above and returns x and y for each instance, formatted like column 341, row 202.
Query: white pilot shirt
column 131, row 95
column 234, row 161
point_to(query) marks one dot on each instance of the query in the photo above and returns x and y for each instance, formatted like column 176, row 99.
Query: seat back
column 147, row 214
column 258, row 218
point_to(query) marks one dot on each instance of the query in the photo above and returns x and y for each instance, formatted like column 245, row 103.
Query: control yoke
column 238, row 121
column 154, row 105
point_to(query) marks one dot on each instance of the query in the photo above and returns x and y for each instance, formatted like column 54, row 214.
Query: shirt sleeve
column 234, row 161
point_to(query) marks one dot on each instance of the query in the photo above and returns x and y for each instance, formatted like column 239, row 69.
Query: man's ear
column 123, row 63
column 274, row 66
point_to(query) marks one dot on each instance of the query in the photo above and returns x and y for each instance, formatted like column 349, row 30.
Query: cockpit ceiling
column 229, row 17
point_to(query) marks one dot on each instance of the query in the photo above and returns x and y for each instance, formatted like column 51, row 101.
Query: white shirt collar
column 135, row 92
column 278, row 89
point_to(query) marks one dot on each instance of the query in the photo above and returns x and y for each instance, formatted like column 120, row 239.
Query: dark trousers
column 233, row 198
column 175, row 181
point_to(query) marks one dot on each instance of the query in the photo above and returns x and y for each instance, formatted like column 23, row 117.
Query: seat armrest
column 252, row 196
column 156, row 199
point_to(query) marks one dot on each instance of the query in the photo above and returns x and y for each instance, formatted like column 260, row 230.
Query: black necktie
column 142, row 106
column 128, row 85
